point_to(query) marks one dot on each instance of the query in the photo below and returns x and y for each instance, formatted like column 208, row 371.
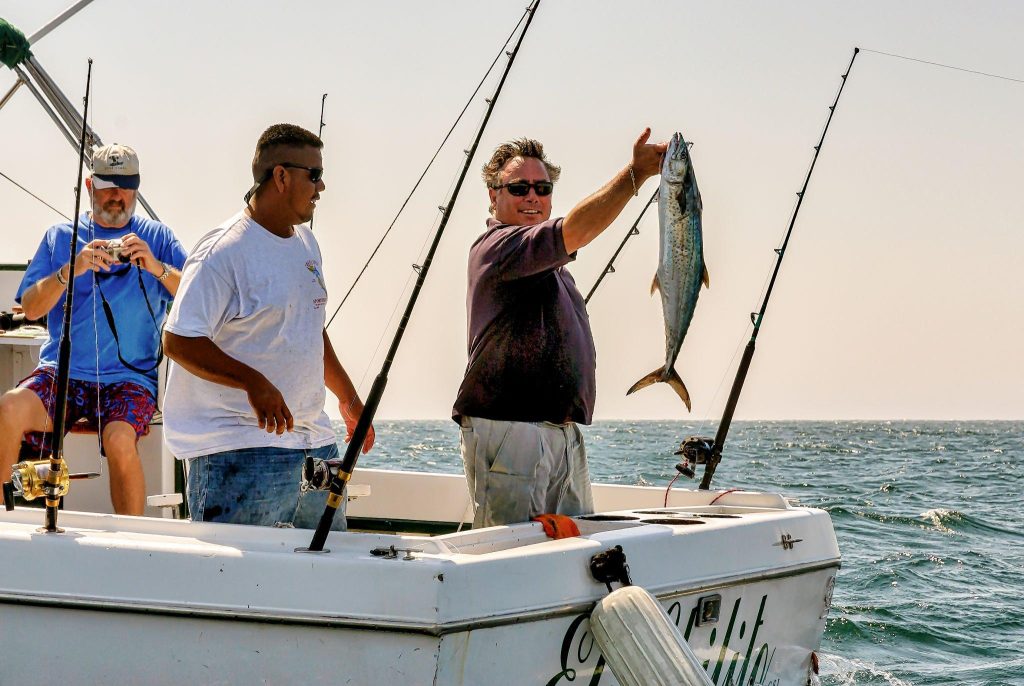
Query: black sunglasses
column 521, row 188
column 315, row 174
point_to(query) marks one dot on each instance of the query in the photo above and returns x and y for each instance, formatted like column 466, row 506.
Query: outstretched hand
column 647, row 157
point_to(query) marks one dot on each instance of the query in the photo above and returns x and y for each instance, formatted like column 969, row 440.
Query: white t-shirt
column 261, row 299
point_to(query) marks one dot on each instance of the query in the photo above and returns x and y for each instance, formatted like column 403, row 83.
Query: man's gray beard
column 115, row 219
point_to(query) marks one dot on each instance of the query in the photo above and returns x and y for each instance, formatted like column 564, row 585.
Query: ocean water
column 928, row 516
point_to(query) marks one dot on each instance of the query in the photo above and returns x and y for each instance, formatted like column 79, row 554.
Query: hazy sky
column 901, row 295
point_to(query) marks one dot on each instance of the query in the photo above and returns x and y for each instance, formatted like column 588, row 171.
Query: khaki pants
column 518, row 470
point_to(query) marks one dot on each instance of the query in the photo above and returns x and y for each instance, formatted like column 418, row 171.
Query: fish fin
column 652, row 378
column 679, row 387
column 656, row 284
column 706, row 278
column 673, row 380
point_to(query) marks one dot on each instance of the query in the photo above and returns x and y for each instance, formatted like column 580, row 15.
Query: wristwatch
column 166, row 272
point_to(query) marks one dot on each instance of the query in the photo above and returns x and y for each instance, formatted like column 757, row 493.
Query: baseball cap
column 115, row 165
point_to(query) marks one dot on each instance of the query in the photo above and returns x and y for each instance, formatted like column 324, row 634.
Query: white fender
column 641, row 644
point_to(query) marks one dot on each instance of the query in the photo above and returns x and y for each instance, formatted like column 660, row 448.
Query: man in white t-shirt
column 245, row 397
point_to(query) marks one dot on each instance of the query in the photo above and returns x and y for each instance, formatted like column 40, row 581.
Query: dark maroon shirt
column 531, row 352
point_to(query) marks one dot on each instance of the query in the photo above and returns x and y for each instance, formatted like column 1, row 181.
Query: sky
column 900, row 296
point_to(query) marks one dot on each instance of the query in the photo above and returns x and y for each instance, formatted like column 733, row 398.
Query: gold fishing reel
column 29, row 479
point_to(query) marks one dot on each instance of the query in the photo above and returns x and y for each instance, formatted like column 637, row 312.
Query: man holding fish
column 531, row 373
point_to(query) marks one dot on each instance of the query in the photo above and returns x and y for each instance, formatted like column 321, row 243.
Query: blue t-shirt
column 136, row 331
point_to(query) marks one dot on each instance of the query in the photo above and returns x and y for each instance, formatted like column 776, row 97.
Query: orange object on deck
column 558, row 526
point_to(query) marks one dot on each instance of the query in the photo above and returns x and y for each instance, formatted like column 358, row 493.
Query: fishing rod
column 344, row 473
column 633, row 231
column 698, row 446
column 320, row 135
column 58, row 467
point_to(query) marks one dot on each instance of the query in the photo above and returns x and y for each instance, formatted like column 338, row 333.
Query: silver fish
column 681, row 268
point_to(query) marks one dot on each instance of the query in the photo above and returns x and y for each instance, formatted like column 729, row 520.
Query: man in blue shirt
column 126, row 273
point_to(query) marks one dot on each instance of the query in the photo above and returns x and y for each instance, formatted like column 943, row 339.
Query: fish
column 681, row 269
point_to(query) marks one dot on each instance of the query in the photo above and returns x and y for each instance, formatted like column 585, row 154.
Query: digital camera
column 114, row 248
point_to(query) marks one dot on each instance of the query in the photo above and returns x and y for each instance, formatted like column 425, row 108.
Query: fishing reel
column 317, row 474
column 29, row 481
column 695, row 450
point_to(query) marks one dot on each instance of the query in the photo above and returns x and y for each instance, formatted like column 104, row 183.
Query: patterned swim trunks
column 121, row 401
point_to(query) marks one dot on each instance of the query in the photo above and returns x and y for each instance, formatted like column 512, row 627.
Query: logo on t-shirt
column 311, row 265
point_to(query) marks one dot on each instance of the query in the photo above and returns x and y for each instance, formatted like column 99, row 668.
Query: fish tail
column 673, row 380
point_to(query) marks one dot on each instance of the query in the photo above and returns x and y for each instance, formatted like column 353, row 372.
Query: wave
column 937, row 519
column 954, row 520
column 840, row 671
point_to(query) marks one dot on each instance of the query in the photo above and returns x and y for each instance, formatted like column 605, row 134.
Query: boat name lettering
column 579, row 651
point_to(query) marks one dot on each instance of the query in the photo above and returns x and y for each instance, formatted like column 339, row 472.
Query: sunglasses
column 315, row 174
column 521, row 188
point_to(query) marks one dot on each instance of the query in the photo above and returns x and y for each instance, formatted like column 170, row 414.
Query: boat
column 410, row 594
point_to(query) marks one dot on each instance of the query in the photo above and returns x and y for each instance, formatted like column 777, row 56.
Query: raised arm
column 205, row 359
column 594, row 214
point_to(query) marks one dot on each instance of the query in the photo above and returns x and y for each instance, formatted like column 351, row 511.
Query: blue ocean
column 927, row 514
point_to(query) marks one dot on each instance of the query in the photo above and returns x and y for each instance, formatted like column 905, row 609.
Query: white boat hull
column 141, row 600
column 148, row 600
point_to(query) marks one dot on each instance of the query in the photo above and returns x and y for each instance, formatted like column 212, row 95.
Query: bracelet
column 60, row 279
column 636, row 191
column 167, row 272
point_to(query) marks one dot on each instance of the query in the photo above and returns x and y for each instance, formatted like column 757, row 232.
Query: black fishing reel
column 317, row 474
column 695, row 450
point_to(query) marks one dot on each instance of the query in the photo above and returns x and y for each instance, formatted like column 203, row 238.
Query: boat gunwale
column 666, row 592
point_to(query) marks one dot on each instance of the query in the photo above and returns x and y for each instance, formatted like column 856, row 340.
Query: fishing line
column 384, row 330
column 427, row 168
column 415, row 269
column 95, row 319
column 757, row 318
column 405, row 288
column 945, row 66
column 35, row 196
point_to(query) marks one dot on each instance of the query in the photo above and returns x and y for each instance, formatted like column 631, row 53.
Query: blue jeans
column 258, row 486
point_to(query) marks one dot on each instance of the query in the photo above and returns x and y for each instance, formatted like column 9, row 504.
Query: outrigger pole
column 348, row 464
column 633, row 231
column 712, row 460
column 57, row 464
column 53, row 101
